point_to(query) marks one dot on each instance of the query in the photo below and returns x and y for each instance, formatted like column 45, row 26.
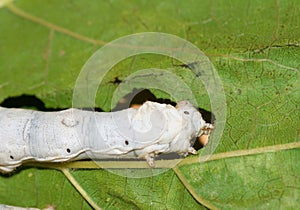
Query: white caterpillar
column 73, row 134
column 8, row 207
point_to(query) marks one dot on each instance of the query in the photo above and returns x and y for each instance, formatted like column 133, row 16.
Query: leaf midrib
column 240, row 153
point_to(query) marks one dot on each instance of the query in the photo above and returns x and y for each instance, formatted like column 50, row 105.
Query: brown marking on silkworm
column 203, row 139
column 135, row 106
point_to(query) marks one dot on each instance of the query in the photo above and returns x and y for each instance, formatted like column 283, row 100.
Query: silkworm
column 74, row 134
column 8, row 207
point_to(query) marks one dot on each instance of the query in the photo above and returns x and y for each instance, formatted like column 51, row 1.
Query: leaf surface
column 253, row 45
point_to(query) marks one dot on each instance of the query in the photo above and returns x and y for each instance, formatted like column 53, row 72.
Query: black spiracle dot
column 126, row 142
column 11, row 157
column 186, row 112
column 68, row 150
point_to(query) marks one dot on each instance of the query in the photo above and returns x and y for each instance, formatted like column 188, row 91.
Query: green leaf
column 40, row 188
column 263, row 178
column 253, row 45
column 111, row 191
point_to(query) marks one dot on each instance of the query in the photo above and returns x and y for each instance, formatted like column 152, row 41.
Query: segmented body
column 73, row 134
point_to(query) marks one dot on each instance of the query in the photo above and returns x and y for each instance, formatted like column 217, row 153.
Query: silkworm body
column 72, row 134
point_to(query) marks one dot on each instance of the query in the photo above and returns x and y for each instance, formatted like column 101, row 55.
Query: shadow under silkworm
column 140, row 96
column 27, row 102
column 137, row 96
column 32, row 102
